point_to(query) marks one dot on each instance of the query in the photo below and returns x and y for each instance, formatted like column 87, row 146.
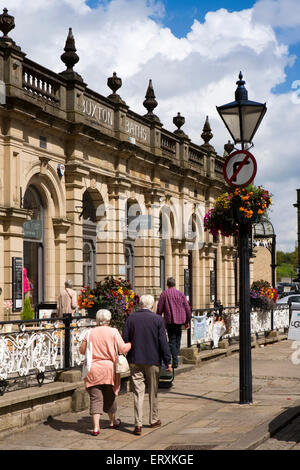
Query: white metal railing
column 34, row 350
column 261, row 322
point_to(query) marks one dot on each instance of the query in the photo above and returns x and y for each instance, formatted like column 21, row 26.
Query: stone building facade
column 89, row 188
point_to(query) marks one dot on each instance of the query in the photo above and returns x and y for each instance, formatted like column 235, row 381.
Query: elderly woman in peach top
column 102, row 382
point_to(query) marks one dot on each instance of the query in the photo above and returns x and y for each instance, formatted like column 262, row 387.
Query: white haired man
column 67, row 300
column 149, row 348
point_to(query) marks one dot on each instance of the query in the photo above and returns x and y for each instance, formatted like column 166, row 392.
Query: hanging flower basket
column 239, row 205
column 115, row 295
column 263, row 296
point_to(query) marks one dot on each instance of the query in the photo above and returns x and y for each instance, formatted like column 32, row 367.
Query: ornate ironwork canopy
column 263, row 229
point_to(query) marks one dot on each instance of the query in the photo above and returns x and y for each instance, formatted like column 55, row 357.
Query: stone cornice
column 61, row 225
column 14, row 213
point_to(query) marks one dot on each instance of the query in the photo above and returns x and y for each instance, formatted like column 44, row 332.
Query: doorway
column 33, row 247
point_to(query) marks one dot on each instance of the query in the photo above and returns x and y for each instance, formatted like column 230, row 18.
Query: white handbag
column 87, row 363
column 122, row 363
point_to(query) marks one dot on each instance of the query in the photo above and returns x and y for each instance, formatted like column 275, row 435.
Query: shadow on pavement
column 286, row 426
column 83, row 425
column 218, row 400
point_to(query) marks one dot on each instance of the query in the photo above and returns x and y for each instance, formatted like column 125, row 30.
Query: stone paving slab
column 201, row 410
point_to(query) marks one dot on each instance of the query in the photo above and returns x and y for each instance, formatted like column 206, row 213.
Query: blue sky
column 193, row 51
column 180, row 15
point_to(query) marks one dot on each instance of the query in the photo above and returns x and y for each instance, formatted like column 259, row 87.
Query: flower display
column 7, row 304
column 237, row 205
column 262, row 295
column 116, row 295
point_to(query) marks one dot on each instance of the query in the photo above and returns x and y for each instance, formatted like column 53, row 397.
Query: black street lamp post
column 242, row 119
column 297, row 205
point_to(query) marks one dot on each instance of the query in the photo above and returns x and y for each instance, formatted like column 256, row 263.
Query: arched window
column 133, row 214
column 129, row 262
column 88, row 264
column 89, row 208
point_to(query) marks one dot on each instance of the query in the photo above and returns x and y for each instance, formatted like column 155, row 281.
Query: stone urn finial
column 114, row 83
column 69, row 57
column 150, row 103
column 7, row 23
column 179, row 122
column 229, row 147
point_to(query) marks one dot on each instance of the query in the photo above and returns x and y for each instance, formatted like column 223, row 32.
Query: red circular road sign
column 240, row 168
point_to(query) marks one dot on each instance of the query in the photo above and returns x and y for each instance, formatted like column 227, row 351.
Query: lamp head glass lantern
column 242, row 117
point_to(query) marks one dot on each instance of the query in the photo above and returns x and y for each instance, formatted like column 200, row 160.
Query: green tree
column 286, row 264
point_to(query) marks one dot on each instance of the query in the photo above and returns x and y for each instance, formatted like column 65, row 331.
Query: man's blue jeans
column 174, row 335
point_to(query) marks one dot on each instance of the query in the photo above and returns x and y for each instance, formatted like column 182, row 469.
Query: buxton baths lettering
column 135, row 130
column 94, row 111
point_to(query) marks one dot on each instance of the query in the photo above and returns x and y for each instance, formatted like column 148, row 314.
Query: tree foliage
column 286, row 264
column 287, row 258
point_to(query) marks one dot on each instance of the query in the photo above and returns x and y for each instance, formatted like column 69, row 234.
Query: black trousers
column 174, row 334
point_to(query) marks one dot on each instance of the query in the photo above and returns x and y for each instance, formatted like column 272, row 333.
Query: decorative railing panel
column 218, row 167
column 195, row 156
column 39, row 85
column 80, row 328
column 29, row 351
column 168, row 145
column 261, row 322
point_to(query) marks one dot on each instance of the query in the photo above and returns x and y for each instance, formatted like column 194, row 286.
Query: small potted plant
column 27, row 312
column 262, row 295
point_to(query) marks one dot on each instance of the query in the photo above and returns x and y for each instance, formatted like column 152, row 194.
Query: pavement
column 201, row 411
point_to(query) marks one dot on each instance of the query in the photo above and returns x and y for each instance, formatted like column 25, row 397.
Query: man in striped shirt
column 177, row 312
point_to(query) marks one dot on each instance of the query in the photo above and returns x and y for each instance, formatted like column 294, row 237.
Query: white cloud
column 224, row 32
column 283, row 13
column 191, row 75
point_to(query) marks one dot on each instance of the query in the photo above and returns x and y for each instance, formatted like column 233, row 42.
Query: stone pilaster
column 61, row 227
column 74, row 192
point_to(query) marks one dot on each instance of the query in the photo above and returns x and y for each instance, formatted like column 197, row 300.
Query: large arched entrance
column 33, row 248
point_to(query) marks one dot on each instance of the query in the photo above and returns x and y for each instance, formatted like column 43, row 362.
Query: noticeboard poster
column 46, row 310
column 17, row 284
column 212, row 277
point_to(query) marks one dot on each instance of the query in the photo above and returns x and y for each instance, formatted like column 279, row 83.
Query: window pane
column 86, row 253
column 250, row 117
